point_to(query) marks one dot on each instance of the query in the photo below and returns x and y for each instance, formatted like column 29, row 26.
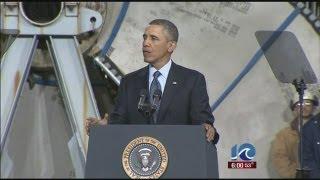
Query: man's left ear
column 172, row 46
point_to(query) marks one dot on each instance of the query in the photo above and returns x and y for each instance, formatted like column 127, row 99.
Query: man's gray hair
column 169, row 27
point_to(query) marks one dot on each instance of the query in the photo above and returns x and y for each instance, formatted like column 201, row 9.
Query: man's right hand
column 90, row 121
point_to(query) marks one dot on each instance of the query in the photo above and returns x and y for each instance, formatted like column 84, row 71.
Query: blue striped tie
column 155, row 84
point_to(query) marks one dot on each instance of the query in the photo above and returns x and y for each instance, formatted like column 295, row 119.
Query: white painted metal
column 76, row 19
column 15, row 66
column 75, row 85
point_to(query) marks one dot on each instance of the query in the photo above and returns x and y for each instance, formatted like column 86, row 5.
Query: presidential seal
column 144, row 158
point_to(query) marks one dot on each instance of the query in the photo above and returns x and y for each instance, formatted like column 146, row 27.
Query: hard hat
column 306, row 96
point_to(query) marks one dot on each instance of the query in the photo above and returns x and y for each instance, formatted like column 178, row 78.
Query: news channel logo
column 242, row 157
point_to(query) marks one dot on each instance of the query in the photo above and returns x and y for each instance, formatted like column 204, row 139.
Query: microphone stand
column 301, row 171
column 155, row 104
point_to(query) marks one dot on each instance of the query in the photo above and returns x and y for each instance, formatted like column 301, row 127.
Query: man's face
column 307, row 108
column 156, row 46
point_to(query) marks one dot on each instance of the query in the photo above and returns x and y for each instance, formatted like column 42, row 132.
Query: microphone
column 141, row 103
column 156, row 99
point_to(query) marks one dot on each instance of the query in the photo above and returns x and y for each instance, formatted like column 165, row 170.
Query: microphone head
column 143, row 96
column 143, row 92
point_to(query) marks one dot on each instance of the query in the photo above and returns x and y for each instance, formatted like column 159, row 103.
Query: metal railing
column 109, row 68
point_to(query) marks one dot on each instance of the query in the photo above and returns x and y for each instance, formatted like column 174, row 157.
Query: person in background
column 284, row 148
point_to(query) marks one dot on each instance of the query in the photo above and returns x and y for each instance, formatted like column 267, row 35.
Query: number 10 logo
column 245, row 151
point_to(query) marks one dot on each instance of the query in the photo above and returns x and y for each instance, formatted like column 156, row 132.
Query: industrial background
column 63, row 61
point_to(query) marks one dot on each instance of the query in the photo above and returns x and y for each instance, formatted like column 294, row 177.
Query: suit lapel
column 170, row 89
column 142, row 82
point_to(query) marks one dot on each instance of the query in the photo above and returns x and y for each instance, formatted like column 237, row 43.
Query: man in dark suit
column 183, row 92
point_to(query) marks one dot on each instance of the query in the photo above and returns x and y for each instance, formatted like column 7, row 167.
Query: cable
column 115, row 29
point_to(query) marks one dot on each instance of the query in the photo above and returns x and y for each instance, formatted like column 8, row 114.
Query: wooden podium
column 187, row 154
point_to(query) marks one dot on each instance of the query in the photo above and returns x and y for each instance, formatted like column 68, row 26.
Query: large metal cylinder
column 42, row 13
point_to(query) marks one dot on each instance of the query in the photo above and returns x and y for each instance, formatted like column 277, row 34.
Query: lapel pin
column 174, row 82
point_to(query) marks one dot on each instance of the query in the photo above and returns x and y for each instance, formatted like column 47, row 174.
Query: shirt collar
column 164, row 70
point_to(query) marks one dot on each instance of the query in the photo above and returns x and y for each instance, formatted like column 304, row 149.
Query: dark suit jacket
column 184, row 102
column 311, row 146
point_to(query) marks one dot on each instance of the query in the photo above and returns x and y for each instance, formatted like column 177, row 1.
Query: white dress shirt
column 164, row 74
